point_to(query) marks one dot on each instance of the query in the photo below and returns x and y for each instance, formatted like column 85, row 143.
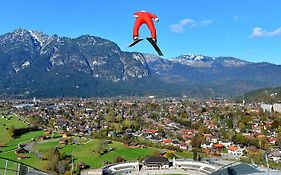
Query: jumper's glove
column 156, row 19
column 136, row 16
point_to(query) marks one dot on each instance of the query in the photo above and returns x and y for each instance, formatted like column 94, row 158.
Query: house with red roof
column 272, row 140
column 218, row 146
column 235, row 151
column 167, row 141
column 152, row 131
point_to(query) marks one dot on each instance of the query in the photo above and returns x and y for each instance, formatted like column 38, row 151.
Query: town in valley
column 88, row 135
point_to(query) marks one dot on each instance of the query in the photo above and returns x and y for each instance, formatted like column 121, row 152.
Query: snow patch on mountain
column 25, row 64
column 205, row 61
column 139, row 57
column 99, row 57
column 234, row 63
column 194, row 60
column 38, row 37
column 98, row 63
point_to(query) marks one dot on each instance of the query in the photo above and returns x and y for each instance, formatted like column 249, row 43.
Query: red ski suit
column 145, row 17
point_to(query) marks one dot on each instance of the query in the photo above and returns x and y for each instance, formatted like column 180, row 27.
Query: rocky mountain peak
column 99, row 57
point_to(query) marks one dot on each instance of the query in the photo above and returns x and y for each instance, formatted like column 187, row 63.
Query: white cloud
column 259, row 32
column 186, row 22
column 180, row 27
column 277, row 32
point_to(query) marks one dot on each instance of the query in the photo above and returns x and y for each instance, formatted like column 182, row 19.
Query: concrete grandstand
column 205, row 167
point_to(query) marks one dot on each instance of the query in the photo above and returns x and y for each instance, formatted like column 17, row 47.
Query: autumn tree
column 57, row 163
column 119, row 159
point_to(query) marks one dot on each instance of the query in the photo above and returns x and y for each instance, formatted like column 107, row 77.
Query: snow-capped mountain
column 215, row 74
column 231, row 62
column 205, row 61
column 194, row 58
column 96, row 56
column 35, row 64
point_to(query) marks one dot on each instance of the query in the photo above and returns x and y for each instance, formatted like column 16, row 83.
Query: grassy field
column 184, row 154
column 32, row 161
column 11, row 166
column 189, row 155
column 81, row 153
column 11, row 143
column 5, row 138
column 44, row 148
column 84, row 152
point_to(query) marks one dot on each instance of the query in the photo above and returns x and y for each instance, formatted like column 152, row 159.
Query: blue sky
column 247, row 29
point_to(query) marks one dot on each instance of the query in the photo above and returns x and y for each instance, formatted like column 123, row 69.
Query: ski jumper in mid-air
column 144, row 17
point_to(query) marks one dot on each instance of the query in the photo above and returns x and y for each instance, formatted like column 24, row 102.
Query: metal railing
column 12, row 167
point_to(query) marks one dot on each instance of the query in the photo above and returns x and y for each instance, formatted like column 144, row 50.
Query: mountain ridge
column 267, row 95
column 35, row 64
column 50, row 46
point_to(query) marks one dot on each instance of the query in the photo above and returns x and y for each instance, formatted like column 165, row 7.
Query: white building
column 235, row 151
column 225, row 144
column 267, row 107
column 275, row 156
column 277, row 107
column 156, row 163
